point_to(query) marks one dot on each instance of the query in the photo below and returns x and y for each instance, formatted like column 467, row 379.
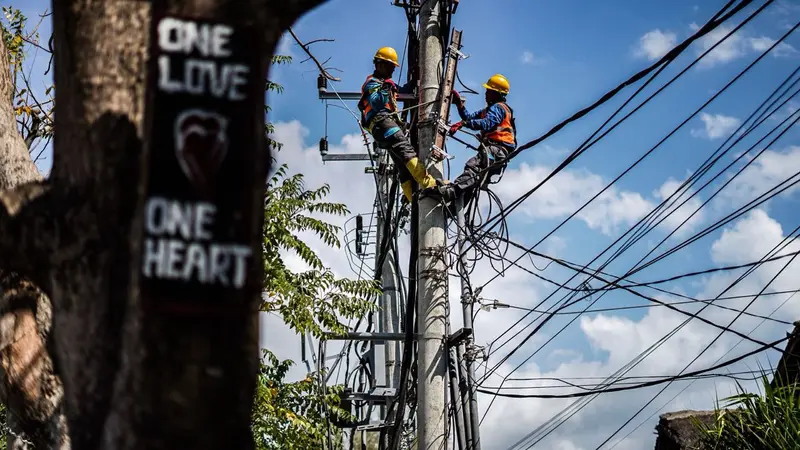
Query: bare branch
column 319, row 40
column 35, row 44
column 320, row 65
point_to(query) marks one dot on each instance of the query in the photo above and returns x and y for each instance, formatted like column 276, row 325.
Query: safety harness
column 365, row 107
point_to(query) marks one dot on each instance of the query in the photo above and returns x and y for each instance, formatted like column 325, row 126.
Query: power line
column 715, row 226
column 696, row 358
column 572, row 381
column 693, row 381
column 651, row 305
column 756, row 202
column 664, row 139
column 607, row 390
column 649, row 284
column 586, row 145
column 786, row 241
column 652, row 212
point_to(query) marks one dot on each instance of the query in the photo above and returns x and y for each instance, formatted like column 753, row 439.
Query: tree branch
column 306, row 49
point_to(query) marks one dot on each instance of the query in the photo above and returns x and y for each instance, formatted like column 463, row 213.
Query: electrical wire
column 652, row 149
column 576, row 407
column 717, row 225
column 668, row 58
column 616, row 255
column 696, row 358
column 693, row 381
column 606, row 390
column 485, row 376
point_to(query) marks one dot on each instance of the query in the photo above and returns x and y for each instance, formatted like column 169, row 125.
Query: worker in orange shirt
column 379, row 116
column 498, row 138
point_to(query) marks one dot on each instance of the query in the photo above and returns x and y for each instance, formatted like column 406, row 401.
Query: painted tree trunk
column 142, row 365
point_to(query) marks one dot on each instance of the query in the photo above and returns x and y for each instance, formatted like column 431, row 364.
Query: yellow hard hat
column 387, row 54
column 498, row 83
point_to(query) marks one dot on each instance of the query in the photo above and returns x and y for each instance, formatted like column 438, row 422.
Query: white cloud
column 768, row 171
column 527, row 57
column 787, row 111
column 569, row 190
column 732, row 48
column 715, row 126
column 761, row 44
column 735, row 46
column 737, row 246
column 655, row 44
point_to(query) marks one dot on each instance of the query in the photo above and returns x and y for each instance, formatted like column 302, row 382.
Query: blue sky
column 560, row 57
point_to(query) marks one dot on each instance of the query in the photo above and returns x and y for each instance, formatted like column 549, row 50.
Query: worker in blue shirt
column 379, row 116
column 498, row 134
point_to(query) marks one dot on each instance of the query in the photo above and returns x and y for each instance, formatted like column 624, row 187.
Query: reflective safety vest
column 367, row 113
column 506, row 131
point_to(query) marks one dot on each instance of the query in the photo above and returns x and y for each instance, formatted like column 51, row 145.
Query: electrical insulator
column 323, row 146
column 359, row 233
column 322, row 83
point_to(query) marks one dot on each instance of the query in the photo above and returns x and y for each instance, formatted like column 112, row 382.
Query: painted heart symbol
column 201, row 145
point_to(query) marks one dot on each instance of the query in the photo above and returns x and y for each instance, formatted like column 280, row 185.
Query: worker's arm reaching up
column 494, row 117
column 482, row 120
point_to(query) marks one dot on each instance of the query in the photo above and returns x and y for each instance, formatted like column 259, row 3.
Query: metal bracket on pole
column 439, row 154
column 459, row 336
column 454, row 51
column 442, row 124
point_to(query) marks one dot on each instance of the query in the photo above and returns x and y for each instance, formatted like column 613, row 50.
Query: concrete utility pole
column 432, row 262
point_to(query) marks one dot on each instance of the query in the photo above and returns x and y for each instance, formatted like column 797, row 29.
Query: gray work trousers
column 400, row 149
column 474, row 177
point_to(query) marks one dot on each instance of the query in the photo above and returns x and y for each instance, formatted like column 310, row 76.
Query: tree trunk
column 136, row 374
column 28, row 386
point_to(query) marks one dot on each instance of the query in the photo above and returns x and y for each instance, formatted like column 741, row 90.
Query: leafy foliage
column 768, row 422
column 294, row 415
column 312, row 301
column 289, row 416
column 13, row 37
column 34, row 112
column 271, row 86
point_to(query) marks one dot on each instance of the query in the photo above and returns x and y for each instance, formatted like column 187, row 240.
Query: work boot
column 420, row 174
column 448, row 192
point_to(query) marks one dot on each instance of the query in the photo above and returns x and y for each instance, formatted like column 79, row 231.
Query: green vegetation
column 757, row 422
column 291, row 415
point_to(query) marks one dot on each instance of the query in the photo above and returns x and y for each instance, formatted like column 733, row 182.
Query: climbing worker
column 379, row 116
column 497, row 135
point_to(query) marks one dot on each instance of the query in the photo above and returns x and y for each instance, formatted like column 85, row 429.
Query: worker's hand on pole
column 455, row 127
